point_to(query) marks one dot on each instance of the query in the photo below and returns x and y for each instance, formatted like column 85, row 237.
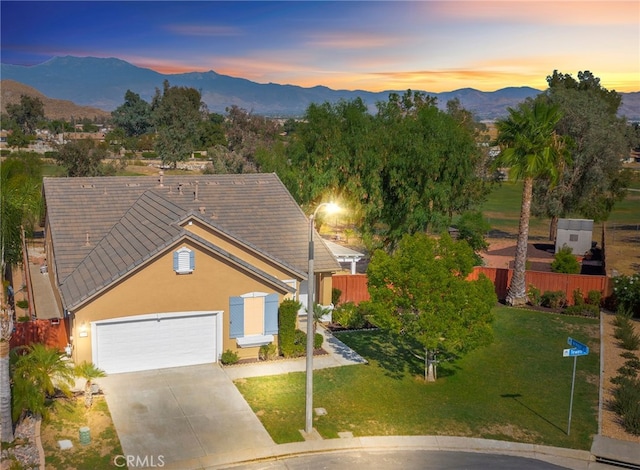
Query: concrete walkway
column 339, row 354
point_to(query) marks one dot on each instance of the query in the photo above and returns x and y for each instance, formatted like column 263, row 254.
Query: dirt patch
column 64, row 423
column 502, row 252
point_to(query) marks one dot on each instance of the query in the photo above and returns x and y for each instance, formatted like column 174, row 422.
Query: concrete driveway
column 180, row 414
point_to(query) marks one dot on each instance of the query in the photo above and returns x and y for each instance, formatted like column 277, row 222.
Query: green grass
column 502, row 209
column 516, row 389
column 64, row 422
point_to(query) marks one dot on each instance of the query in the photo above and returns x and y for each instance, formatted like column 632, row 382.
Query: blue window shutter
column 192, row 260
column 175, row 260
column 236, row 317
column 271, row 314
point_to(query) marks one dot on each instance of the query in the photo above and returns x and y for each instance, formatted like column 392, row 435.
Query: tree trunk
column 553, row 228
column 517, row 294
column 430, row 372
column 88, row 394
column 6, row 424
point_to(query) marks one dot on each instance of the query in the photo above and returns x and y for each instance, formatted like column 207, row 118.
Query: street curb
column 570, row 458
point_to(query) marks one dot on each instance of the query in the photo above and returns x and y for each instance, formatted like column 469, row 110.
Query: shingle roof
column 104, row 227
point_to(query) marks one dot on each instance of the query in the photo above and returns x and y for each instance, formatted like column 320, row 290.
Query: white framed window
column 184, row 261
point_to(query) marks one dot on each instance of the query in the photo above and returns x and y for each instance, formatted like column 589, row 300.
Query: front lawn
column 66, row 418
column 516, row 389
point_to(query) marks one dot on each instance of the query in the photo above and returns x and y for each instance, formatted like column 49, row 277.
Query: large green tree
column 82, row 158
column 20, row 202
column 133, row 116
column 429, row 167
column 594, row 181
column 532, row 151
column 177, row 113
column 27, row 114
column 407, row 168
column 420, row 293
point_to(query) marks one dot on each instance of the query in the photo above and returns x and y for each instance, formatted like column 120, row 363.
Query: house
column 166, row 271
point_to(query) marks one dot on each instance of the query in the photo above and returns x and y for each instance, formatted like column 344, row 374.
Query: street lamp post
column 308, row 427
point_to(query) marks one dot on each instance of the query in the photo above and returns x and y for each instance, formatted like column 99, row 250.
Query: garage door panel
column 168, row 340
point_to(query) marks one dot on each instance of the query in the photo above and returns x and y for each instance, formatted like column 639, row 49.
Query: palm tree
column 532, row 150
column 89, row 372
column 6, row 329
column 318, row 313
column 37, row 375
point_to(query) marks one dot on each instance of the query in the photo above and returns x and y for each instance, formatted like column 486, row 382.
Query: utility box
column 85, row 435
column 576, row 234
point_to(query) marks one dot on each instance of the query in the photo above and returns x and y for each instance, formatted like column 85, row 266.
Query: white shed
column 576, row 234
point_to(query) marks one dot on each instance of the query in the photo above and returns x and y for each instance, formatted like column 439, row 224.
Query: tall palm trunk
column 6, row 423
column 517, row 294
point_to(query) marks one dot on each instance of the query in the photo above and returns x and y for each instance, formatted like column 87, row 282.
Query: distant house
column 166, row 271
column 95, row 136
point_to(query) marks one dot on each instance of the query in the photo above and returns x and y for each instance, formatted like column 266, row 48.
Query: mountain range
column 102, row 83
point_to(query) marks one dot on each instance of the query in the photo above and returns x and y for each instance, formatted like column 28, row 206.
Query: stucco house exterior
column 165, row 271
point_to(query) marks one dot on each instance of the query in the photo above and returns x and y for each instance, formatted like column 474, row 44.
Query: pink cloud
column 570, row 12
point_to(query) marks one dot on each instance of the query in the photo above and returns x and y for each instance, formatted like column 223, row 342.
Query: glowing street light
column 330, row 208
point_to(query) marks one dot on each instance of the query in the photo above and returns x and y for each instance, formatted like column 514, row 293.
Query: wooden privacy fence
column 354, row 287
column 40, row 331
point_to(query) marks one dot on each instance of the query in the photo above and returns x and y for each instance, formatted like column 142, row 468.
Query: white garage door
column 156, row 341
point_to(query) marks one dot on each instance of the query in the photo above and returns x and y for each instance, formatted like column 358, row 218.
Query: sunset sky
column 370, row 45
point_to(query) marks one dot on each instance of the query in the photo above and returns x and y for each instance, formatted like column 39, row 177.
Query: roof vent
column 86, row 243
column 161, row 179
column 202, row 209
column 180, row 188
column 195, row 193
column 87, row 186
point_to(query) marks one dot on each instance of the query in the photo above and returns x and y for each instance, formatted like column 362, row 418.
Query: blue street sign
column 578, row 345
column 573, row 352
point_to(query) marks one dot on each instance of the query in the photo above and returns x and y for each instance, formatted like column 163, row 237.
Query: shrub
column 630, row 368
column 584, row 310
column 594, row 297
column 287, row 315
column 554, row 299
column 335, row 295
column 299, row 344
column 626, row 290
column 268, row 352
column 622, row 320
column 565, row 262
column 578, row 298
column 22, row 303
column 149, row 155
column 229, row 357
column 630, row 340
column 626, row 403
column 534, row 296
column 349, row 315
column 318, row 340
